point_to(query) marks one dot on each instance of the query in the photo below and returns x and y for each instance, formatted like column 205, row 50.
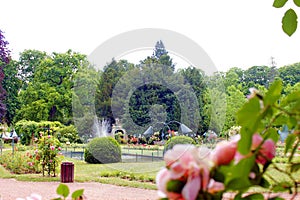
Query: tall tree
column 28, row 62
column 109, row 78
column 161, row 55
column 49, row 94
column 195, row 77
column 12, row 85
column 4, row 60
column 290, row 74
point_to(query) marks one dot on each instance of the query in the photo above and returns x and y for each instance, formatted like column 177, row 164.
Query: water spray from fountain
column 101, row 127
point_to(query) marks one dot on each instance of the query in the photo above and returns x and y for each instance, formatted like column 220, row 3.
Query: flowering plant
column 243, row 161
column 48, row 152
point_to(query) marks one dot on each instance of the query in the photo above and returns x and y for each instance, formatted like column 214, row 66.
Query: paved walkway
column 10, row 189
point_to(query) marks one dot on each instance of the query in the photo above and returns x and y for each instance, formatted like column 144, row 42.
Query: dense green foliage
column 64, row 87
column 103, row 150
column 178, row 140
column 30, row 131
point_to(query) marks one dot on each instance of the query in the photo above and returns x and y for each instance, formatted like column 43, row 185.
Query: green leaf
column 238, row 196
column 282, row 119
column 275, row 198
column 264, row 183
column 297, row 3
column 292, row 97
column 239, row 184
column 281, row 187
column 295, row 167
column 244, row 167
column 271, row 133
column 175, row 186
column 279, row 3
column 273, row 93
column 289, row 22
column 63, row 190
column 289, row 141
column 78, row 193
column 249, row 118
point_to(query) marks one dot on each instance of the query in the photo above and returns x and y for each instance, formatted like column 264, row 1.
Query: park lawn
column 139, row 175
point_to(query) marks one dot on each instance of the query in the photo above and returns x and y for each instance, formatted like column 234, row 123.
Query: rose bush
column 245, row 160
column 49, row 154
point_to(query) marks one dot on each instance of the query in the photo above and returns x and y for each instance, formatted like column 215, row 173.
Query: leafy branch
column 290, row 18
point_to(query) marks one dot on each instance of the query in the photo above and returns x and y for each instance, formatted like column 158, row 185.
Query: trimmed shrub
column 178, row 140
column 103, row 150
column 68, row 134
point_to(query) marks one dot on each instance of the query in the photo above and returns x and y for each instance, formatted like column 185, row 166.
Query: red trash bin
column 67, row 172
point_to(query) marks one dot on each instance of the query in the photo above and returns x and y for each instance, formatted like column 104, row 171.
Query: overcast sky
column 234, row 33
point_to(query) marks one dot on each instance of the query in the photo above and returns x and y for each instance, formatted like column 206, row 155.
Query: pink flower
column 162, row 179
column 59, row 148
column 253, row 93
column 50, row 161
column 49, row 136
column 52, row 147
column 267, row 150
column 265, row 153
column 30, row 164
column 36, row 151
column 189, row 164
column 224, row 152
column 215, row 187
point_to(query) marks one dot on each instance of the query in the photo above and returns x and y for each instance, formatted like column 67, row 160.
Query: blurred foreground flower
column 198, row 173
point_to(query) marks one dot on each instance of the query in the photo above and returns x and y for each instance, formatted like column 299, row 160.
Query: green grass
column 140, row 175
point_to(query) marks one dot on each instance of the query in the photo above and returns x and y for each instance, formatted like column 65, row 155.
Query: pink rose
column 224, row 152
column 266, row 152
column 215, row 187
column 52, row 147
column 59, row 148
column 162, row 179
column 189, row 164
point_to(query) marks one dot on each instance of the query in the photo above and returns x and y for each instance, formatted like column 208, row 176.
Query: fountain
column 101, row 127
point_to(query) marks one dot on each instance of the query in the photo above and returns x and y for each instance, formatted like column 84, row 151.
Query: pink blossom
column 59, row 148
column 52, row 147
column 30, row 164
column 253, row 93
column 187, row 163
column 49, row 136
column 266, row 152
column 36, row 151
column 50, row 161
column 224, row 152
column 215, row 187
column 162, row 179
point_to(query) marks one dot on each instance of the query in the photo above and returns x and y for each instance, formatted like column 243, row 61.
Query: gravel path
column 10, row 189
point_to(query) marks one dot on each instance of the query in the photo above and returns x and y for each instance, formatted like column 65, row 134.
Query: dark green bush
column 178, row 140
column 103, row 150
